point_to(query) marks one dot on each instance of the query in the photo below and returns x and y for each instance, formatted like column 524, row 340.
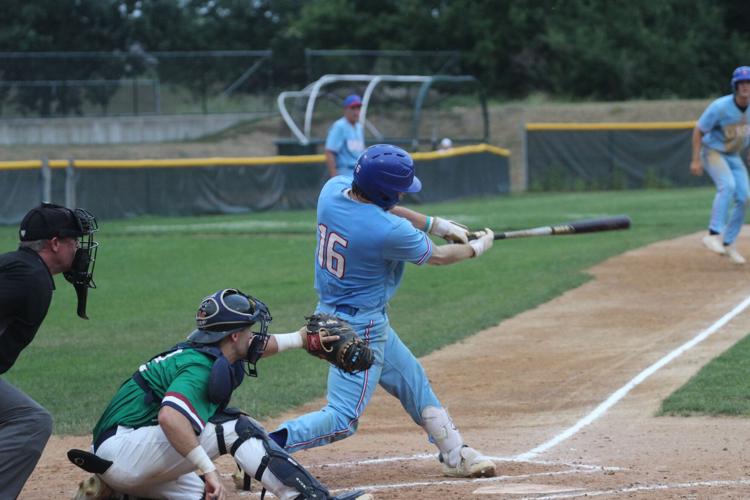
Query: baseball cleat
column 733, row 254
column 713, row 243
column 470, row 464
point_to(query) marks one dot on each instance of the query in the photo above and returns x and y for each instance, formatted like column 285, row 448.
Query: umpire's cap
column 49, row 220
column 226, row 312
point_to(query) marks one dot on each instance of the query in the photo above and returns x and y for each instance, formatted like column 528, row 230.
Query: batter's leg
column 404, row 377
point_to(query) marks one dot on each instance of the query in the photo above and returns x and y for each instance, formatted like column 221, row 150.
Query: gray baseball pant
column 25, row 428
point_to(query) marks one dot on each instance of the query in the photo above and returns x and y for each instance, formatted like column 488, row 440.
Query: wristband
column 286, row 341
column 428, row 221
column 201, row 460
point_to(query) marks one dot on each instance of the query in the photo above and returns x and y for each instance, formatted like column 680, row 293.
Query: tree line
column 567, row 49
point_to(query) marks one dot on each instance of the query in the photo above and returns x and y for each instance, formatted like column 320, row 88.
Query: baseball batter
column 363, row 243
column 720, row 135
column 167, row 423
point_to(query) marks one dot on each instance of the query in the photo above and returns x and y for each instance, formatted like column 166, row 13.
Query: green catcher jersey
column 178, row 379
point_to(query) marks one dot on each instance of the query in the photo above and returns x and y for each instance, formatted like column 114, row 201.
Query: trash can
column 292, row 147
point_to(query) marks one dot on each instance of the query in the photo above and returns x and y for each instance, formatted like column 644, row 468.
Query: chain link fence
column 59, row 84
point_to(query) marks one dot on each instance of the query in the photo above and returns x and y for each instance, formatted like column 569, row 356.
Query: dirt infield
column 516, row 388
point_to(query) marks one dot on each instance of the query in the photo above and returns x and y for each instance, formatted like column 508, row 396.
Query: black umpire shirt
column 25, row 294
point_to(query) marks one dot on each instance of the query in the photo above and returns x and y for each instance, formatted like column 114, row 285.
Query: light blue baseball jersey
column 725, row 126
column 359, row 263
column 348, row 142
column 361, row 249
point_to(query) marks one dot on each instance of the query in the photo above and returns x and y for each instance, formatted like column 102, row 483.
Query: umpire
column 53, row 240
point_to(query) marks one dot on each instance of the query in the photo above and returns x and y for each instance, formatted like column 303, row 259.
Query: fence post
column 70, row 184
column 157, row 96
column 46, row 181
column 135, row 97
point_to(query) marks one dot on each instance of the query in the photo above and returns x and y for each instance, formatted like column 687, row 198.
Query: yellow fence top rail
column 611, row 126
column 230, row 161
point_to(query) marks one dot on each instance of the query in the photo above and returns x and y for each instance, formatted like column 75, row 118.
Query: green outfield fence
column 194, row 186
column 586, row 156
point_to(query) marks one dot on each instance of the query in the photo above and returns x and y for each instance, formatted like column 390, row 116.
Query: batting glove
column 448, row 230
column 484, row 241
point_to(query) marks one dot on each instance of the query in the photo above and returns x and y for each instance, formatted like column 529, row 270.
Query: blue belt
column 343, row 308
column 106, row 434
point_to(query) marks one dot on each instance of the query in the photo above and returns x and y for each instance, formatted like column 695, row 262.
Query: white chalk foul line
column 433, row 456
column 622, row 391
column 448, row 482
column 645, row 487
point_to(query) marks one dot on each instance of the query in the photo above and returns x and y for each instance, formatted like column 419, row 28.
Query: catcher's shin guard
column 281, row 465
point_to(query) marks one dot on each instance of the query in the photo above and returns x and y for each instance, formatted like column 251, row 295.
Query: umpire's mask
column 81, row 273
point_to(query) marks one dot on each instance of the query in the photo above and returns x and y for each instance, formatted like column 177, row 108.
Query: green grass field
column 722, row 387
column 152, row 273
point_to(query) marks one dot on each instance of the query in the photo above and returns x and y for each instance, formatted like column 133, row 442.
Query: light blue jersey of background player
column 720, row 135
column 345, row 140
column 362, row 248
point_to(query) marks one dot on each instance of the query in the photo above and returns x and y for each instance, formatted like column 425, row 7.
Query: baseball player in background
column 346, row 139
column 721, row 134
column 167, row 423
column 363, row 243
column 53, row 240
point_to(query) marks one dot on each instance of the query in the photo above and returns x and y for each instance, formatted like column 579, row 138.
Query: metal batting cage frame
column 303, row 133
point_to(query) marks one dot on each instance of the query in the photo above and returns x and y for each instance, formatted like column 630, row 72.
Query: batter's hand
column 483, row 242
column 696, row 167
column 449, row 230
column 214, row 489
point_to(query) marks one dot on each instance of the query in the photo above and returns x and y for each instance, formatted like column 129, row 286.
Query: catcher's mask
column 228, row 311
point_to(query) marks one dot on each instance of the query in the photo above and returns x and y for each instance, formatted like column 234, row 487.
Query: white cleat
column 713, row 242
column 734, row 255
column 470, row 464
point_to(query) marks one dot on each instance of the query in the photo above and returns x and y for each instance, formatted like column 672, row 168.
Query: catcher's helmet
column 226, row 312
column 741, row 74
column 384, row 171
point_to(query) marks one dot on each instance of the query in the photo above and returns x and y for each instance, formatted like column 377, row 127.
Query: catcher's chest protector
column 225, row 377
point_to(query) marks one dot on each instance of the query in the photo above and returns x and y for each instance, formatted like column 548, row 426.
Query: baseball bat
column 575, row 227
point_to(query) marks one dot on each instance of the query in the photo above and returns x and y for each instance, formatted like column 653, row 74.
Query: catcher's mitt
column 348, row 353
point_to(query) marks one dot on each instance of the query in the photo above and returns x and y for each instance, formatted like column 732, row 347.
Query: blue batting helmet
column 383, row 172
column 226, row 312
column 741, row 74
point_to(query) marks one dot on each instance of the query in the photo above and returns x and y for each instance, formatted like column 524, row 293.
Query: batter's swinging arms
column 167, row 422
column 363, row 243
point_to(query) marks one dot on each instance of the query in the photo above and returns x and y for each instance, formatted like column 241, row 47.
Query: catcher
column 166, row 424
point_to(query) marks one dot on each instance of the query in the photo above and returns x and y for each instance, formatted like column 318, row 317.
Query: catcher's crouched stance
column 160, row 433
